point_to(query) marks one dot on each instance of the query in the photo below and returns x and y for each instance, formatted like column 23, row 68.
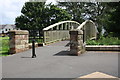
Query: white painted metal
column 62, row 32
column 56, row 24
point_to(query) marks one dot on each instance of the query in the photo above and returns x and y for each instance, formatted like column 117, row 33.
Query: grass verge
column 4, row 48
column 104, row 41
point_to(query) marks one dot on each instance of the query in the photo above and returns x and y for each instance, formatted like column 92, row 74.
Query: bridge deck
column 53, row 62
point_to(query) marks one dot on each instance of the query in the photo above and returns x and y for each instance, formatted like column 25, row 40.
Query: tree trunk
column 39, row 34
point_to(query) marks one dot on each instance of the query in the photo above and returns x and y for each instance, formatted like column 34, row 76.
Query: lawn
column 4, row 48
column 4, row 45
column 104, row 41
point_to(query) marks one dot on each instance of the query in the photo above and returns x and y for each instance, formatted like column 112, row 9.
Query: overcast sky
column 10, row 9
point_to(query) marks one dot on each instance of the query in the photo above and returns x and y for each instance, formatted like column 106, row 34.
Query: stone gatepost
column 18, row 41
column 76, row 42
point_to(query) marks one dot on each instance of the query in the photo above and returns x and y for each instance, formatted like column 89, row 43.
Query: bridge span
column 77, row 33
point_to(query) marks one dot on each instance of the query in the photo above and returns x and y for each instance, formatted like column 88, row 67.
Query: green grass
column 4, row 48
column 4, row 45
column 104, row 41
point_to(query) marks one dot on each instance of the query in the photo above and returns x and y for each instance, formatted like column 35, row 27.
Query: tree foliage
column 57, row 14
column 32, row 16
column 74, row 9
column 113, row 20
column 81, row 11
column 105, row 15
column 37, row 15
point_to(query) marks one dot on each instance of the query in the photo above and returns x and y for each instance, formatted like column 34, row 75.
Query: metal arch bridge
column 60, row 31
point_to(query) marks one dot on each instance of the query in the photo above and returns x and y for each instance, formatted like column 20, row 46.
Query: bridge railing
column 89, row 30
column 77, row 33
column 59, row 31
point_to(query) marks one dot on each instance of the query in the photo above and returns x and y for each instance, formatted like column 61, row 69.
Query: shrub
column 104, row 41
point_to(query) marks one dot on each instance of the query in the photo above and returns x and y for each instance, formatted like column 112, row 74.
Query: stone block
column 73, row 32
column 22, row 32
column 76, row 42
column 18, row 40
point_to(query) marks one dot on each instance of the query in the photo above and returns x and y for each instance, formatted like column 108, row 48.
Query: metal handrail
column 56, row 24
column 49, row 31
column 82, row 25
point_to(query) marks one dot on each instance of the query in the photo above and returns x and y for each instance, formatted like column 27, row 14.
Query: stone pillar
column 76, row 42
column 18, row 41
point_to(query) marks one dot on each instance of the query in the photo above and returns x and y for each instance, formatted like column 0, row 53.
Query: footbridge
column 71, row 30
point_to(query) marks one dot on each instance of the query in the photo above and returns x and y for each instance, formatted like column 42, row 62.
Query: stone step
column 102, row 47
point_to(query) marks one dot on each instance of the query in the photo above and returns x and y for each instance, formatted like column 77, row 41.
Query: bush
column 104, row 41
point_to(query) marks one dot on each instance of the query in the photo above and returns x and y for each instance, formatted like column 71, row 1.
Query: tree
column 113, row 21
column 37, row 15
column 32, row 17
column 105, row 15
column 81, row 11
column 57, row 14
column 74, row 9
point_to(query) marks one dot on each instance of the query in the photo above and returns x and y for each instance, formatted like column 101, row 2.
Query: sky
column 10, row 9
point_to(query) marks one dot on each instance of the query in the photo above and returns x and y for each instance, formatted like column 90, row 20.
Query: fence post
column 76, row 42
column 18, row 41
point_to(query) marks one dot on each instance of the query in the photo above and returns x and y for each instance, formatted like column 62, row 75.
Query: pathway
column 53, row 62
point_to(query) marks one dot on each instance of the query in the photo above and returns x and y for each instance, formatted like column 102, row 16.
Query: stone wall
column 76, row 42
column 18, row 41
